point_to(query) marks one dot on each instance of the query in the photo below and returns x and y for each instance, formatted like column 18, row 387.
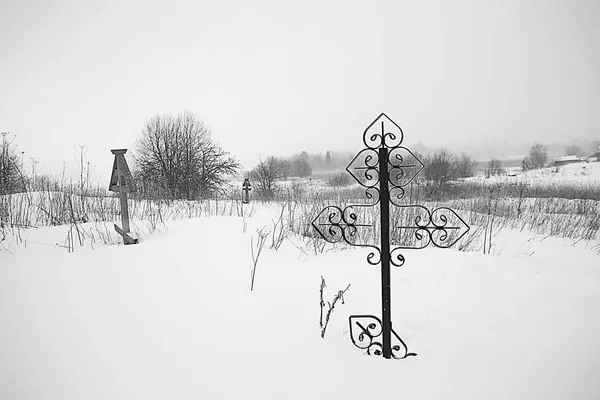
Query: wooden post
column 121, row 182
column 124, row 211
column 246, row 188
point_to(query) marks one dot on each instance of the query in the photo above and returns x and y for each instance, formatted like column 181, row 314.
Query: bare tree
column 300, row 168
column 464, row 166
column 537, row 156
column 440, row 167
column 177, row 157
column 494, row 167
column 285, row 168
column 573, row 150
column 525, row 164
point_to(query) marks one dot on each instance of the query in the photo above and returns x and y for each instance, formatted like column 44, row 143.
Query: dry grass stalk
column 262, row 237
column 331, row 305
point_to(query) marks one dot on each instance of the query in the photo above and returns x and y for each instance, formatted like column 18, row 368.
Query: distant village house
column 594, row 157
column 564, row 160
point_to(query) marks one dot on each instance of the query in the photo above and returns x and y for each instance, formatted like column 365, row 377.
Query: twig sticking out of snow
column 262, row 237
column 338, row 296
column 322, row 303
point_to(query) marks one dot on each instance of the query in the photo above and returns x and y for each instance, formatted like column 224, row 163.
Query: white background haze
column 276, row 78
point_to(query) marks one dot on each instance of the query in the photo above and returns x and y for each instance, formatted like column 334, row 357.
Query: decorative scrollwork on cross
column 403, row 166
column 366, row 332
column 416, row 227
column 383, row 132
column 341, row 225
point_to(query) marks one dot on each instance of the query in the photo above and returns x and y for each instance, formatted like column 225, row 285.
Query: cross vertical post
column 384, row 207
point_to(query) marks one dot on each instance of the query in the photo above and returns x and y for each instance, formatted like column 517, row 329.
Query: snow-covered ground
column 174, row 318
column 577, row 173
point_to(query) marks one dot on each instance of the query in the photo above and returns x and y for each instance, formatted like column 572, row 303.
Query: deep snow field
column 174, row 318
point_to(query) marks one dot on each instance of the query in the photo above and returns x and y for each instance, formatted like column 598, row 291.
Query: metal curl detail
column 365, row 331
column 372, row 160
column 404, row 166
column 334, row 232
column 364, row 168
column 374, row 254
column 441, row 227
column 396, row 174
column 449, row 227
column 399, row 348
column 443, row 219
column 349, row 215
column 439, row 236
column 396, row 195
column 375, row 349
column 372, row 193
column 398, row 158
column 383, row 132
column 335, row 225
column 396, row 258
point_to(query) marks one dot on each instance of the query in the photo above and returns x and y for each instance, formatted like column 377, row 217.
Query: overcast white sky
column 278, row 77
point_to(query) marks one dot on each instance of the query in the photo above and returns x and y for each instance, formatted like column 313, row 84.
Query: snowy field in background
column 577, row 173
column 174, row 318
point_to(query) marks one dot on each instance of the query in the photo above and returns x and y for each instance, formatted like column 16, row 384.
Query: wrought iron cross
column 384, row 168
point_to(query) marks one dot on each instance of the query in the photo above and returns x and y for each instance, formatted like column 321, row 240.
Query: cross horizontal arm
column 346, row 225
column 432, row 228
column 395, row 166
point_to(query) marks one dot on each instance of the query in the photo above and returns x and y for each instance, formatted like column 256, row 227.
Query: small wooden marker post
column 246, row 188
column 121, row 182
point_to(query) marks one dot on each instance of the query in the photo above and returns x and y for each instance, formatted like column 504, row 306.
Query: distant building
column 558, row 161
column 594, row 157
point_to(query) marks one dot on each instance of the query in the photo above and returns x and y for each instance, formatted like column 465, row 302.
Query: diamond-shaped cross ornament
column 402, row 165
column 384, row 168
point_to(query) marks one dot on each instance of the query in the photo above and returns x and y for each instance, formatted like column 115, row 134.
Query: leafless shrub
column 439, row 167
column 464, row 166
column 265, row 176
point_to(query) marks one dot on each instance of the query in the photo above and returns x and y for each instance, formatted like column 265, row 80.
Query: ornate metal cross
column 384, row 168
